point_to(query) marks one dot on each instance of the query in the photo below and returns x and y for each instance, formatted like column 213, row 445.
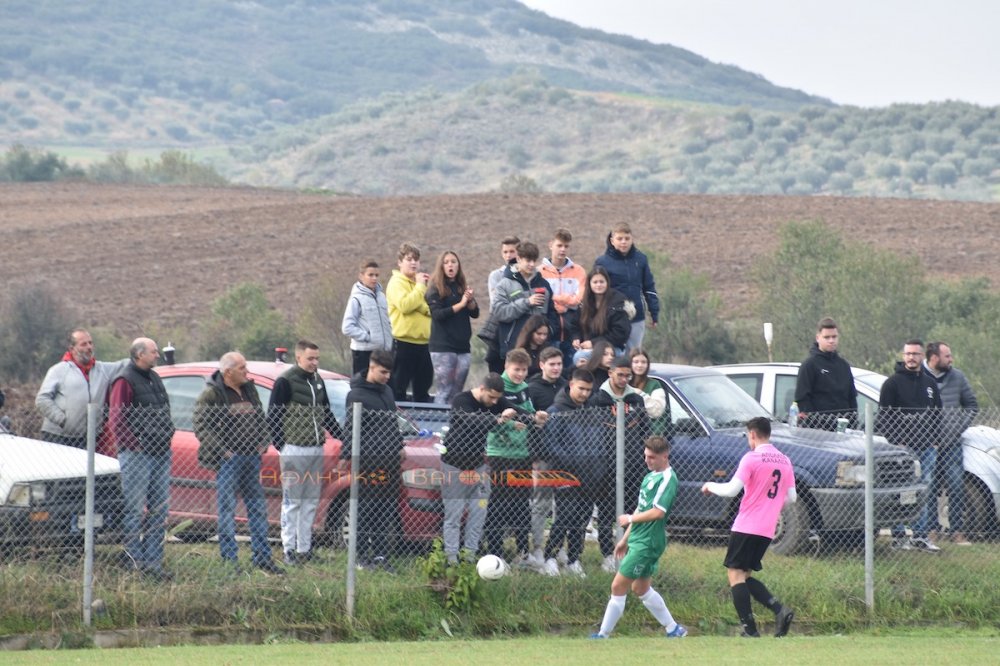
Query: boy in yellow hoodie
column 410, row 318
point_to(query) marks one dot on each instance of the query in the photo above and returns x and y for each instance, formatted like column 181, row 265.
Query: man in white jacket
column 69, row 385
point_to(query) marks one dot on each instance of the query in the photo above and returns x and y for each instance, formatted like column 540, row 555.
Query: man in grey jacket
column 69, row 385
column 959, row 409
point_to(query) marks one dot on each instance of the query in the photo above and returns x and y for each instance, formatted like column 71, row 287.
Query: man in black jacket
column 909, row 415
column 543, row 388
column 298, row 414
column 379, row 454
column 825, row 388
column 465, row 485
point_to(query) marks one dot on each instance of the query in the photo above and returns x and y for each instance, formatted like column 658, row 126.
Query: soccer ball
column 491, row 567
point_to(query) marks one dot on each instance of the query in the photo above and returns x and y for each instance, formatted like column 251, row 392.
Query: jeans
column 301, row 486
column 543, row 506
column 928, row 458
column 636, row 336
column 950, row 475
column 464, row 492
column 146, row 487
column 450, row 372
column 241, row 474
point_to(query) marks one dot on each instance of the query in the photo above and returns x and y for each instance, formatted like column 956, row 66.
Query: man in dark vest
column 140, row 428
column 299, row 413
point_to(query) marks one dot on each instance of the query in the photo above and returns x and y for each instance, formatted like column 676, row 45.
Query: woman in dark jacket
column 535, row 336
column 602, row 315
column 452, row 306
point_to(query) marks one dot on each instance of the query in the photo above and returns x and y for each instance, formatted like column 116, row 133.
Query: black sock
column 763, row 595
column 741, row 600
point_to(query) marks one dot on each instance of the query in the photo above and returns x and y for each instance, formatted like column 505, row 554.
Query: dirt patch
column 130, row 256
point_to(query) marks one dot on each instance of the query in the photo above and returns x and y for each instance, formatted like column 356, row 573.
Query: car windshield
column 719, row 400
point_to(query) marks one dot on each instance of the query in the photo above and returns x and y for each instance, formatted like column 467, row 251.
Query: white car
column 773, row 385
column 43, row 489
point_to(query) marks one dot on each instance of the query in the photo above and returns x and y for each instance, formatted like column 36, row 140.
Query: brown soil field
column 128, row 257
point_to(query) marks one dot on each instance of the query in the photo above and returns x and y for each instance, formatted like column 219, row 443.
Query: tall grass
column 912, row 589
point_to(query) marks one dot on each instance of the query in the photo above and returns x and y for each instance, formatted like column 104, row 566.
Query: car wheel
column 338, row 524
column 980, row 516
column 792, row 532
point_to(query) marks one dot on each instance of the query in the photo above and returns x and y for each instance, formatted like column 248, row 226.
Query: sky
column 869, row 53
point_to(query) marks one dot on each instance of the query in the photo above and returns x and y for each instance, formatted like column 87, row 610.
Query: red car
column 192, row 487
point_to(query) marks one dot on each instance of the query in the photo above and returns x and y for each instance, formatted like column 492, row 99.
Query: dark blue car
column 706, row 413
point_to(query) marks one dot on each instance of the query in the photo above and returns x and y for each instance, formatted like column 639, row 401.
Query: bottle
column 793, row 415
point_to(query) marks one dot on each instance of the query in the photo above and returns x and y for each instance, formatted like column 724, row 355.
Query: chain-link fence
column 543, row 494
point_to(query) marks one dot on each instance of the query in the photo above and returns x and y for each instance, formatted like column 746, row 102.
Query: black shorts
column 746, row 551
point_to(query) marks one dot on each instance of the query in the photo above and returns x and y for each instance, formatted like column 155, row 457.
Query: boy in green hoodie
column 509, row 457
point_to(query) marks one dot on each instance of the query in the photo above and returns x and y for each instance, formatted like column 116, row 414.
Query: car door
column 699, row 454
column 192, row 487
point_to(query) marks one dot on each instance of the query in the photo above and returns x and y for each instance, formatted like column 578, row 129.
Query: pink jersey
column 767, row 475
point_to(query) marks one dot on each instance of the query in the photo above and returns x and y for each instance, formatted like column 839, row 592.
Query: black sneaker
column 744, row 634
column 270, row 567
column 783, row 620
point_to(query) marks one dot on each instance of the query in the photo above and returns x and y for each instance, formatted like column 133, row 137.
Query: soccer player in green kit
column 643, row 543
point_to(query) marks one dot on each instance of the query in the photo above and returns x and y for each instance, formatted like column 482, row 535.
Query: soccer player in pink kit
column 766, row 477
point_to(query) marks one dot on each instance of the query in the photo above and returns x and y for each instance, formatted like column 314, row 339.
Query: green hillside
column 522, row 132
column 449, row 96
column 194, row 72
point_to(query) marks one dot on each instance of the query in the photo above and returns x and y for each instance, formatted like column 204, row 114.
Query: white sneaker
column 562, row 557
column 550, row 568
column 536, row 559
column 576, row 569
column 609, row 564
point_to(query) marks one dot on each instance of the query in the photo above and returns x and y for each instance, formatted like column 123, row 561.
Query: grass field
column 933, row 647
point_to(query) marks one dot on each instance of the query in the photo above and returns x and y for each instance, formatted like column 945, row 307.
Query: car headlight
column 850, row 474
column 26, row 494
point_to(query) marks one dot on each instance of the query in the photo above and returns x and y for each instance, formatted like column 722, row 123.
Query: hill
column 160, row 73
column 139, row 258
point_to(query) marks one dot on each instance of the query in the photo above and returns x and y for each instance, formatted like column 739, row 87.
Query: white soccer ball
column 491, row 567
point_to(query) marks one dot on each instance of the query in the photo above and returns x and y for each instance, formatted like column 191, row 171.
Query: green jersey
column 658, row 489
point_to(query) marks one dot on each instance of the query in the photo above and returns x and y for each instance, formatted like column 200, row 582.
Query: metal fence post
column 352, row 535
column 93, row 415
column 619, row 464
column 869, row 508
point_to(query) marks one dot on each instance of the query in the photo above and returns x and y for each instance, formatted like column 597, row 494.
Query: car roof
column 752, row 367
column 672, row 370
column 268, row 369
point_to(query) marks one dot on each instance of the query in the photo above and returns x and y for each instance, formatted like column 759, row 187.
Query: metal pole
column 869, row 508
column 619, row 463
column 352, row 535
column 93, row 415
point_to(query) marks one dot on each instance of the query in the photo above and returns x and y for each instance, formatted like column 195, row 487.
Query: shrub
column 33, row 328
column 243, row 319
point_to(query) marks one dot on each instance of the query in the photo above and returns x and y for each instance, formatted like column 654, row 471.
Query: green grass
column 913, row 589
column 923, row 648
